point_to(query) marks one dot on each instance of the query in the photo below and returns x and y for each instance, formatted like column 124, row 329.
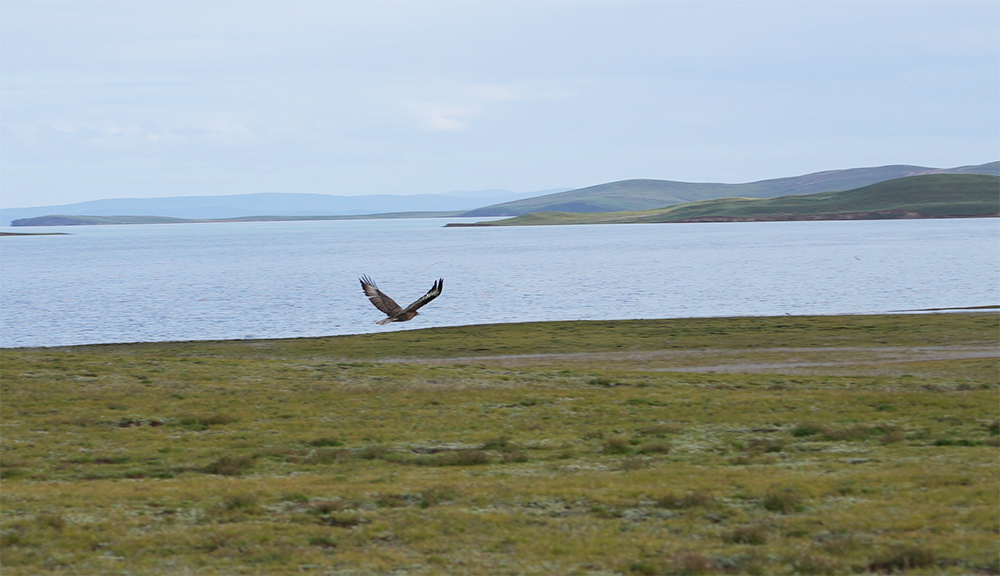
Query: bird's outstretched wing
column 380, row 300
column 433, row 293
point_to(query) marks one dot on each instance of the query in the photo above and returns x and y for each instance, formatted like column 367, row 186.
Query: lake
column 289, row 279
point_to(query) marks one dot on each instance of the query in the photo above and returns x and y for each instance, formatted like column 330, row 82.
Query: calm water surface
column 275, row 279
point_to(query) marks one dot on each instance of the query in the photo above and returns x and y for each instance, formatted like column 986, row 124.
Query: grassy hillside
column 930, row 196
column 791, row 445
column 649, row 194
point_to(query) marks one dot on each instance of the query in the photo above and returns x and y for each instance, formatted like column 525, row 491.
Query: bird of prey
column 394, row 312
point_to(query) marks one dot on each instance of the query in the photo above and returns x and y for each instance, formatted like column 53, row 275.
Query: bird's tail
column 386, row 320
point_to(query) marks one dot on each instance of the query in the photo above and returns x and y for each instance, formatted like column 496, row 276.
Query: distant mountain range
column 926, row 196
column 648, row 194
column 611, row 197
column 82, row 220
column 272, row 204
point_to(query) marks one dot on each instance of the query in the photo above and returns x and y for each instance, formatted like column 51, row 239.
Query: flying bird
column 393, row 310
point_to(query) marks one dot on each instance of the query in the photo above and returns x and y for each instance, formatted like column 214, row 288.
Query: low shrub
column 463, row 458
column 322, row 542
column 113, row 459
column 617, row 446
column 783, row 500
column 501, row 443
column 641, row 402
column 372, row 452
column 752, row 562
column 450, row 458
column 602, row 382
column 55, row 521
column 217, row 419
column 240, row 502
column 605, row 512
column 752, row 535
column 645, row 568
column 514, row 456
column 278, row 453
column 655, row 448
column 812, row 565
column 691, row 564
column 437, row 494
column 857, row 432
column 325, row 442
column 8, row 473
column 344, row 520
column 659, row 430
column 958, row 442
column 391, row 501
column 891, row 435
column 633, row 463
column 765, row 446
column 327, row 456
column 204, row 421
column 808, row 429
column 690, row 500
column 902, row 558
column 324, row 507
column 230, row 465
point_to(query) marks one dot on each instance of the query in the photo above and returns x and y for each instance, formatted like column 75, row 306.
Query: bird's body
column 394, row 311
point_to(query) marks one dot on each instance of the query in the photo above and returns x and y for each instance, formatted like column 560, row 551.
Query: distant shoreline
column 74, row 220
column 884, row 215
column 514, row 325
column 537, row 219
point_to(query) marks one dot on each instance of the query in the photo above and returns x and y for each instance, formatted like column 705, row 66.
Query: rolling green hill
column 649, row 194
column 930, row 196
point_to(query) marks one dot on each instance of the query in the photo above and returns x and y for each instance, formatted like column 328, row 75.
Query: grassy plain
column 792, row 445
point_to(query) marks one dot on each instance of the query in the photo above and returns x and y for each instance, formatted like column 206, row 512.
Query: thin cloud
column 420, row 96
column 442, row 117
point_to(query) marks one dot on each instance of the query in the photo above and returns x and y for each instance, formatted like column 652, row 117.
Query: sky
column 130, row 99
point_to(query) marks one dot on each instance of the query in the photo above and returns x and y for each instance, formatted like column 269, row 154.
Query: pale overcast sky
column 170, row 98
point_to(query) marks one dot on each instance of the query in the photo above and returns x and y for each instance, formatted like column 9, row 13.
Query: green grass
column 928, row 196
column 403, row 452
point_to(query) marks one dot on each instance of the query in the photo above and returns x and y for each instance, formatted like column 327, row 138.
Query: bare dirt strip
column 825, row 360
